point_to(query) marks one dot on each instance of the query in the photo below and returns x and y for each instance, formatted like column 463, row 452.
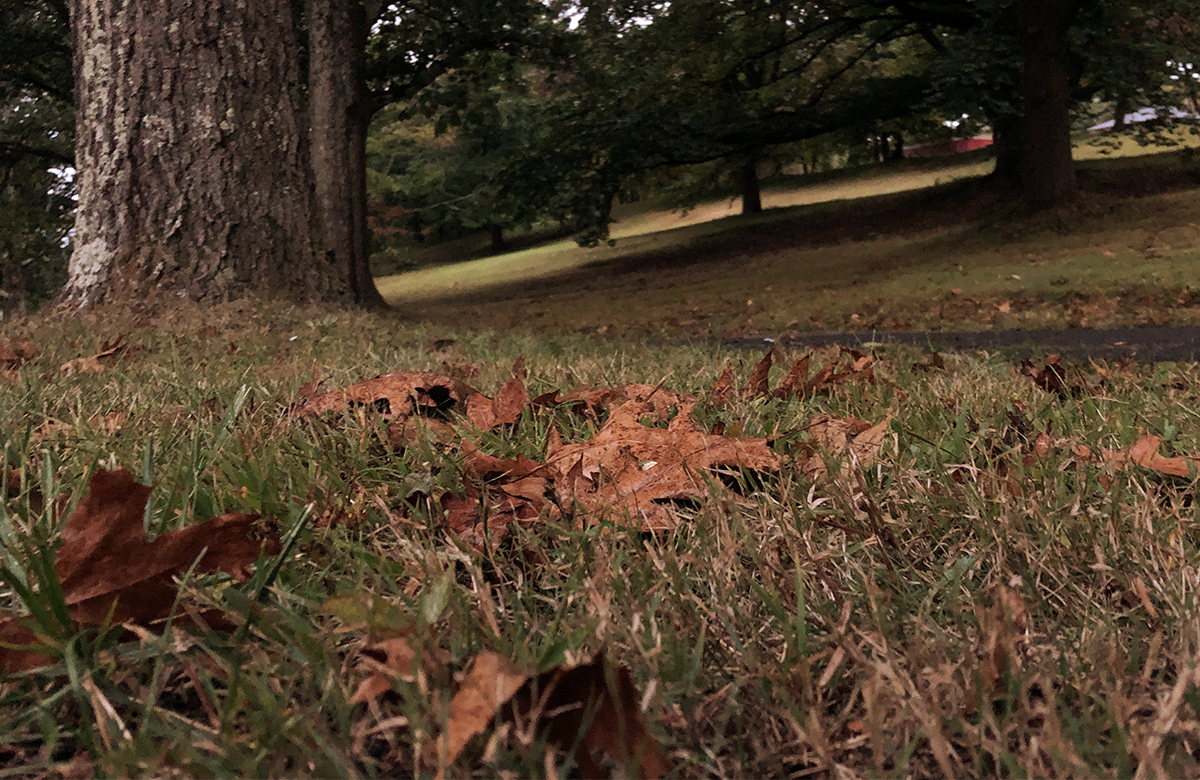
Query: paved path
column 1143, row 344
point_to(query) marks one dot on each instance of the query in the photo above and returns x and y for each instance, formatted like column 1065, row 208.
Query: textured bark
column 192, row 155
column 748, row 183
column 341, row 110
column 1047, row 169
column 1006, row 141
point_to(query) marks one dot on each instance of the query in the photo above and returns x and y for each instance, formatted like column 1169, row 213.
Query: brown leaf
column 1002, row 632
column 635, row 469
column 12, row 356
column 757, row 385
column 1144, row 452
column 309, row 389
column 389, row 659
column 505, row 409
column 391, row 395
column 91, row 364
column 594, row 706
column 795, row 381
column 591, row 707
column 105, row 559
column 490, row 682
column 856, row 441
column 662, row 402
column 722, row 390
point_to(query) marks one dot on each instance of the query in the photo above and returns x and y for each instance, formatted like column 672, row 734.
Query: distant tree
column 36, row 134
column 653, row 85
column 192, row 156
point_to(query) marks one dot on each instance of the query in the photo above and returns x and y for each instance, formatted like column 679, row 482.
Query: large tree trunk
column 192, row 155
column 1006, row 141
column 748, row 184
column 1047, row 170
column 341, row 109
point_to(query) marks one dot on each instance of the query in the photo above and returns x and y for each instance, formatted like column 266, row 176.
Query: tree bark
column 1006, row 140
column 1047, row 169
column 340, row 109
column 497, row 235
column 748, row 184
column 192, row 155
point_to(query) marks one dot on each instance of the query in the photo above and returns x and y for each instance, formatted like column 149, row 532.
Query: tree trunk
column 497, row 233
column 340, row 110
column 1047, row 170
column 1006, row 141
column 748, row 184
column 192, row 155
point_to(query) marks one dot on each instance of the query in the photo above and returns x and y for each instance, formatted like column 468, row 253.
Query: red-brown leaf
column 106, row 560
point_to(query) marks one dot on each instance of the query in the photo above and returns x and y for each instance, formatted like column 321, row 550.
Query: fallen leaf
column 389, row 659
column 757, row 385
column 723, row 389
column 490, row 682
column 106, row 566
column 857, row 442
column 1144, row 452
column 91, row 364
column 795, row 381
column 635, row 470
column 590, row 708
column 1002, row 634
column 391, row 395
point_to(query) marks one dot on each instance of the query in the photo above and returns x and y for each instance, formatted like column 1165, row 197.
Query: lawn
column 901, row 565
column 863, row 254
column 558, row 530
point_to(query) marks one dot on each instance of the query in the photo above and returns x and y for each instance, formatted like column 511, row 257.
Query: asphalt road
column 1148, row 345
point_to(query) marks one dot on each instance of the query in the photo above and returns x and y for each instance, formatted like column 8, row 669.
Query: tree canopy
column 504, row 115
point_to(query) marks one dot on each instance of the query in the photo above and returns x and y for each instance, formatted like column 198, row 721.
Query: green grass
column 854, row 252
column 828, row 626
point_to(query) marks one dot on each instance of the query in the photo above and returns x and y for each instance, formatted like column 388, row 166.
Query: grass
column 831, row 626
column 863, row 254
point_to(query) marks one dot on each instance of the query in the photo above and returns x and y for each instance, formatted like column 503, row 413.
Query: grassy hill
column 925, row 245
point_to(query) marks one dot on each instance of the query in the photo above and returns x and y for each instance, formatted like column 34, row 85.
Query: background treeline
column 504, row 121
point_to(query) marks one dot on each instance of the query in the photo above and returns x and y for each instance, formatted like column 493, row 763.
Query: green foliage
column 441, row 174
column 36, row 134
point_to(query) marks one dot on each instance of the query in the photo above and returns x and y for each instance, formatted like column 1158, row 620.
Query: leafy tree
column 36, row 134
column 445, row 171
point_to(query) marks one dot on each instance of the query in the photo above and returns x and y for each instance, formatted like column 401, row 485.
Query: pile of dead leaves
column 647, row 460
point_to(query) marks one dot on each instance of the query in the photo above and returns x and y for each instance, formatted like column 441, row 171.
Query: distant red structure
column 943, row 148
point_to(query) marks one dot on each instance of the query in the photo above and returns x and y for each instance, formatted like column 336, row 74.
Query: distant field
column 907, row 249
column 553, row 258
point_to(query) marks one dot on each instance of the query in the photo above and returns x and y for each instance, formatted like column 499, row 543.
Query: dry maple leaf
column 634, row 469
column 392, row 395
column 663, row 403
column 91, row 364
column 106, row 566
column 757, row 386
column 1002, row 633
column 1144, row 452
column 858, row 442
column 12, row 356
column 388, row 659
column 497, row 494
column 505, row 409
column 723, row 389
column 590, row 707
